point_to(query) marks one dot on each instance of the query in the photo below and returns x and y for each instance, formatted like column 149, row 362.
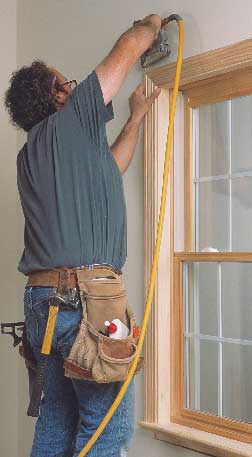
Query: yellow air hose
column 127, row 381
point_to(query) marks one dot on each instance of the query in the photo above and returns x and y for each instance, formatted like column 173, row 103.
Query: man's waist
column 56, row 276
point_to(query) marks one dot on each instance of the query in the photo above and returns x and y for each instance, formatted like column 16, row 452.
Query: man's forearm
column 124, row 146
column 142, row 35
column 126, row 51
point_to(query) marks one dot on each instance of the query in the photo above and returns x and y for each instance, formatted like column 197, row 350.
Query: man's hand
column 124, row 146
column 155, row 21
column 140, row 104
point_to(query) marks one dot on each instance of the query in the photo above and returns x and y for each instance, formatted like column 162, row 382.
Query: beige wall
column 75, row 36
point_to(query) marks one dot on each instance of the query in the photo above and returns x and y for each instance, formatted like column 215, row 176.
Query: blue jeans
column 72, row 409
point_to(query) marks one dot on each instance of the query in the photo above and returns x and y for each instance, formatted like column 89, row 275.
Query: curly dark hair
column 28, row 99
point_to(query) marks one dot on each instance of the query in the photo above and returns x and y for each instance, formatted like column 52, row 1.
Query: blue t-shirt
column 71, row 188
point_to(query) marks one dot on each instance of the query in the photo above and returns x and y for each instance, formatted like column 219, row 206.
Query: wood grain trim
column 218, row 89
column 220, row 67
column 172, row 280
column 188, row 174
column 150, row 171
column 206, row 65
column 232, row 434
column 177, row 346
column 218, row 421
column 175, row 399
column 180, row 349
column 199, row 440
column 214, row 256
column 157, row 388
column 225, row 427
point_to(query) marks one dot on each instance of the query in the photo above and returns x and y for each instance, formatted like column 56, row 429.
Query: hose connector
column 172, row 17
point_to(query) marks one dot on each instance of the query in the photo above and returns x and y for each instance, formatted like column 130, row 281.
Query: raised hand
column 140, row 104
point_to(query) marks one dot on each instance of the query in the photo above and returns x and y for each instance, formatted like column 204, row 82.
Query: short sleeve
column 88, row 103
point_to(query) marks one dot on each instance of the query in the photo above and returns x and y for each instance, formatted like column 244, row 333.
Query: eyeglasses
column 72, row 84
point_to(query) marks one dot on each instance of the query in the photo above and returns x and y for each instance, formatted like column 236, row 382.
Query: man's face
column 61, row 95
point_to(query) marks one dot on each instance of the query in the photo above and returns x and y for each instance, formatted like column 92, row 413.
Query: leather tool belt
column 94, row 356
column 63, row 276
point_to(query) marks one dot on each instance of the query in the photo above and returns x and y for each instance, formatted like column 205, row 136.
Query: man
column 71, row 191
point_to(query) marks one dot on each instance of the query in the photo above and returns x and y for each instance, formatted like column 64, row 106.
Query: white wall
column 8, row 236
column 74, row 37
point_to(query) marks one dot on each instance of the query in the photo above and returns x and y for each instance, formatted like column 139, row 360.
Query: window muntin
column 222, row 175
column 214, row 381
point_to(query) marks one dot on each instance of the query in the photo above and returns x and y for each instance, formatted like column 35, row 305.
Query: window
column 199, row 342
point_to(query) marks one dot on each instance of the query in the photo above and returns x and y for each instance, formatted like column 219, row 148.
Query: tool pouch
column 95, row 356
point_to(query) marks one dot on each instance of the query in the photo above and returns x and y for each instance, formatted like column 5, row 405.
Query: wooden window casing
column 216, row 89
column 212, row 77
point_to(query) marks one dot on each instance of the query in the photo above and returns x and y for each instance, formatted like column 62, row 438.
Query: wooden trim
column 231, row 85
column 165, row 260
column 157, row 361
column 206, row 65
column 150, row 347
column 171, row 267
column 220, row 430
column 218, row 69
column 175, row 392
column 180, row 349
column 229, row 428
column 218, row 421
column 214, row 256
column 188, row 175
column 198, row 440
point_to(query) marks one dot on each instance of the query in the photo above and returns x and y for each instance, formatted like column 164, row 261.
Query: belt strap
column 53, row 278
column 64, row 278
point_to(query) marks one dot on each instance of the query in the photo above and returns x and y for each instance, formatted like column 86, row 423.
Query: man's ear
column 59, row 98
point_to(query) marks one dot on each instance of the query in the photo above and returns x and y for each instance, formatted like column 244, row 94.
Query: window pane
column 213, row 215
column 236, row 279
column 218, row 338
column 213, row 139
column 201, row 375
column 237, row 375
column 242, row 214
column 200, row 296
column 208, row 300
column 241, row 134
column 209, row 376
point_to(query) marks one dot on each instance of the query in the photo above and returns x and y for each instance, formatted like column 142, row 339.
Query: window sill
column 198, row 440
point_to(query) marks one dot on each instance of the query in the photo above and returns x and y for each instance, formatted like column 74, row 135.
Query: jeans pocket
column 66, row 330
column 36, row 301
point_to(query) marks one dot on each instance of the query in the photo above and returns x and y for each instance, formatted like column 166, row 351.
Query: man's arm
column 124, row 146
column 128, row 48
